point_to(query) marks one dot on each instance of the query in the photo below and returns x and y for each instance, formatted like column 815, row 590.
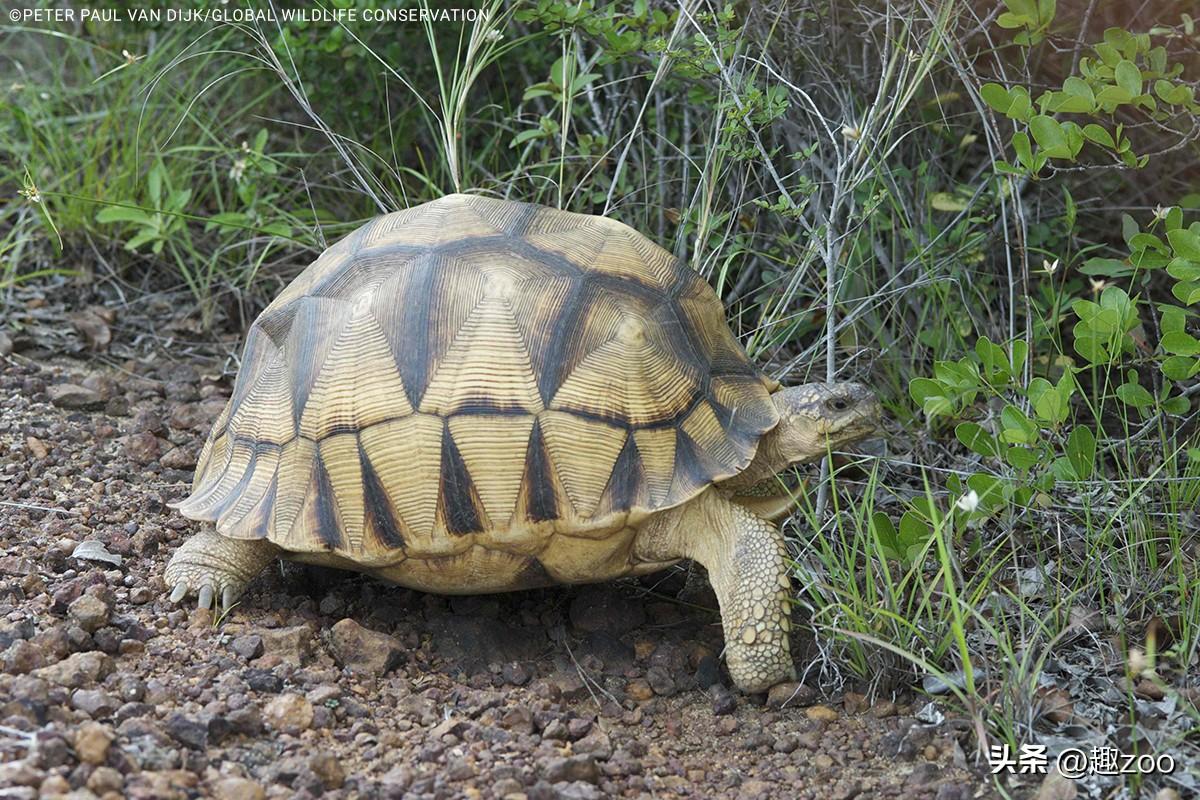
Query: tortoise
column 476, row 395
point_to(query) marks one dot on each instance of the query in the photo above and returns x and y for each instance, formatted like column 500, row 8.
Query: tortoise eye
column 838, row 404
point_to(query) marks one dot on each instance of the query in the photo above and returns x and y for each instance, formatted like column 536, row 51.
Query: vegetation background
column 985, row 210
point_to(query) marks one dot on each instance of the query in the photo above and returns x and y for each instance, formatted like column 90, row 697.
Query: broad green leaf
column 1173, row 319
column 1022, row 457
column 885, row 536
column 1024, row 150
column 1077, row 87
column 1180, row 343
column 1081, row 451
column 1109, row 267
column 1020, row 351
column 1185, row 243
column 1180, row 368
column 123, row 214
column 976, row 439
column 944, row 201
column 1099, row 135
column 992, row 490
column 914, row 530
column 1129, row 77
column 1017, row 428
column 1187, row 292
column 1132, row 394
column 996, row 96
column 1110, row 97
column 1177, row 405
column 1048, row 133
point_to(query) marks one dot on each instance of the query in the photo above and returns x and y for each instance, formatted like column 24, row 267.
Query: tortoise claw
column 206, row 596
column 227, row 597
column 179, row 592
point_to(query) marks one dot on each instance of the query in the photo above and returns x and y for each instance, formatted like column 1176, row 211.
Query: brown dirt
column 106, row 689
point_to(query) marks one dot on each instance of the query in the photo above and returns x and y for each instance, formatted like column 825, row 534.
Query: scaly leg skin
column 212, row 566
column 746, row 559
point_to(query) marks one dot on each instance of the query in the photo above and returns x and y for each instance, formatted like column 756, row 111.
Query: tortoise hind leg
column 746, row 559
column 212, row 566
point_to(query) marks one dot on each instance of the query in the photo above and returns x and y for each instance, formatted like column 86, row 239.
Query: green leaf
column 1185, row 243
column 145, row 235
column 1109, row 267
column 1024, row 150
column 1186, row 292
column 1129, row 77
column 996, row 96
column 1179, row 368
column 992, row 490
column 1173, row 319
column 1022, row 457
column 1050, row 136
column 1177, row 405
column 560, row 70
column 929, row 395
column 1020, row 352
column 155, row 181
column 944, row 201
column 111, row 214
column 1077, row 87
column 914, row 531
column 1048, row 402
column 526, row 135
column 885, row 536
column 1180, row 343
column 1081, row 451
column 1132, row 394
column 1110, row 97
column 1017, row 428
column 1099, row 135
column 976, row 439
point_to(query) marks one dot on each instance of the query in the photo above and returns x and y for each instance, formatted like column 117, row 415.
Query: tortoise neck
column 768, row 461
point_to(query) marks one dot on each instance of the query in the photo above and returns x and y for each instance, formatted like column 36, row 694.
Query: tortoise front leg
column 210, row 566
column 746, row 559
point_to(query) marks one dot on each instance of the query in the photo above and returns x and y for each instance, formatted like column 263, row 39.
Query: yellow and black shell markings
column 474, row 366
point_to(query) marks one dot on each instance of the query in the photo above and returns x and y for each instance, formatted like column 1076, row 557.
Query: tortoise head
column 818, row 417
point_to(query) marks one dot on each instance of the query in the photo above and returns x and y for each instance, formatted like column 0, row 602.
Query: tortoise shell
column 478, row 368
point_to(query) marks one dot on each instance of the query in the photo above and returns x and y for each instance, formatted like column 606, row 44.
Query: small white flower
column 1098, row 284
column 968, row 502
column 1160, row 213
column 493, row 35
column 1049, row 267
column 238, row 169
column 851, row 132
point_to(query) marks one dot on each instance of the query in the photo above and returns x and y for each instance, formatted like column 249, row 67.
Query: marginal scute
column 493, row 449
column 574, row 442
column 339, row 457
column 407, row 456
column 475, row 375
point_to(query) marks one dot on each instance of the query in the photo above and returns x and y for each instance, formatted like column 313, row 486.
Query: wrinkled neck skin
column 768, row 462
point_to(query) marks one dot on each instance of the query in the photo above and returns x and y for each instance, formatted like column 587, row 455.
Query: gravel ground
column 323, row 683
